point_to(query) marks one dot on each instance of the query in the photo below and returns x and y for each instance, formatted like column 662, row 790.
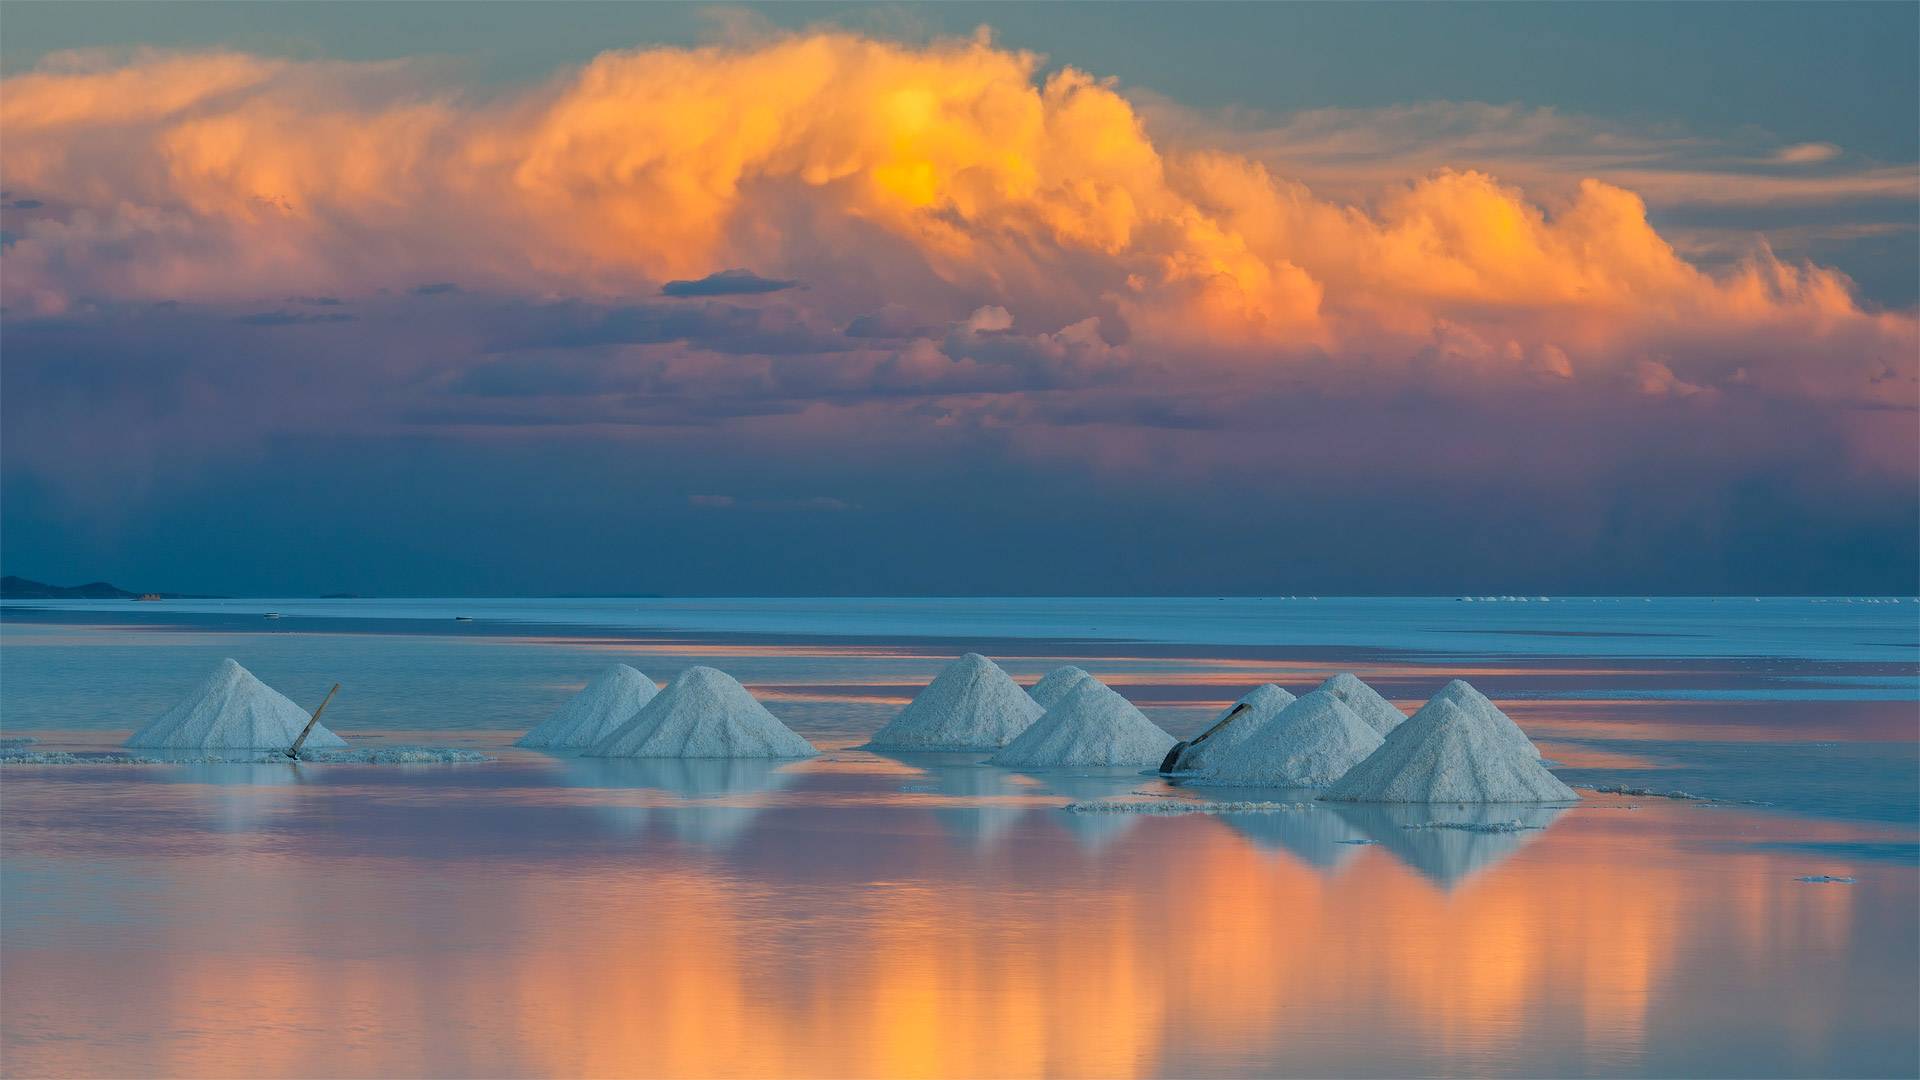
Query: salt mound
column 970, row 705
column 1462, row 693
column 1049, row 690
column 1091, row 725
column 232, row 710
column 608, row 701
column 703, row 713
column 1310, row 743
column 1448, row 754
column 1263, row 704
column 1380, row 714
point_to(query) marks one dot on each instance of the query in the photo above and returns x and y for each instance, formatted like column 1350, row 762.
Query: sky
column 961, row 299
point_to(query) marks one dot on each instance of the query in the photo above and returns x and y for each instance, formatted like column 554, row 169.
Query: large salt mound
column 1310, row 743
column 1054, row 686
column 1263, row 704
column 703, row 713
column 1380, row 714
column 232, row 710
column 1448, row 754
column 608, row 701
column 970, row 705
column 1462, row 693
column 1091, row 725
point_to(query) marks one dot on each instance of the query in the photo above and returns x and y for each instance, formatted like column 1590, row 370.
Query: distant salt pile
column 970, row 705
column 232, row 710
column 703, row 713
column 1448, row 754
column 611, row 699
column 1049, row 690
column 1091, row 725
column 1310, row 743
column 1380, row 714
column 1263, row 704
column 1462, row 693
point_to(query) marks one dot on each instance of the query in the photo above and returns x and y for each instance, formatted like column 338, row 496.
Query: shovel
column 1171, row 763
column 294, row 751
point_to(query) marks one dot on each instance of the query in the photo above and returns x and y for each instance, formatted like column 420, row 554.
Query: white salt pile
column 1462, row 693
column 1310, row 743
column 595, row 712
column 1380, row 714
column 970, row 705
column 1054, row 686
column 1091, row 725
column 232, row 710
column 1263, row 704
column 703, row 713
column 1448, row 754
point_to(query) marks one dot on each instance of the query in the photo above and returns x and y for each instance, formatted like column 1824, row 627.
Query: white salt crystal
column 1462, row 693
column 1091, row 725
column 595, row 712
column 1380, row 714
column 232, row 710
column 1050, row 689
column 1263, row 704
column 1310, row 743
column 1448, row 754
column 970, row 705
column 703, row 713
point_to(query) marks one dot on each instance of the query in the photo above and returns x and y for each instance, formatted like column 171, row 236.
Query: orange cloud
column 948, row 175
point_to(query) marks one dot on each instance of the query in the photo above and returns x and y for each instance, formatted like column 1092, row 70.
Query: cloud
column 726, row 283
column 917, row 174
column 1812, row 153
column 992, row 251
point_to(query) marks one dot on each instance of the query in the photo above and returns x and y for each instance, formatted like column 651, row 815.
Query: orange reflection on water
column 884, row 951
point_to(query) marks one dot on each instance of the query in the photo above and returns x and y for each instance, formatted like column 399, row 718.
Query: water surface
column 864, row 915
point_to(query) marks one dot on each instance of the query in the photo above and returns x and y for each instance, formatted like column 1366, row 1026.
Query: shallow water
column 860, row 915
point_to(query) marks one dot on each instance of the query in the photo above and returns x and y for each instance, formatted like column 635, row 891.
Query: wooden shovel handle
column 294, row 752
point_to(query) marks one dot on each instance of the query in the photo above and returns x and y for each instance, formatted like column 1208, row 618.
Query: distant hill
column 19, row 588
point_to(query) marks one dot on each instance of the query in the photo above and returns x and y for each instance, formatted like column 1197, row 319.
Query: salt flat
column 341, row 918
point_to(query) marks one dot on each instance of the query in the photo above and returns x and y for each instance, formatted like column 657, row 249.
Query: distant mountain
column 19, row 588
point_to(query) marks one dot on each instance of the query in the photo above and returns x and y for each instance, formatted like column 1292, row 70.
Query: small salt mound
column 1091, row 725
column 1380, row 714
column 970, row 705
column 1462, row 693
column 703, row 713
column 232, row 710
column 1263, row 704
column 1049, row 690
column 1448, row 754
column 608, row 701
column 1310, row 743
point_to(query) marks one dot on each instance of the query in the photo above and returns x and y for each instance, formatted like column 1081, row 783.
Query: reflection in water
column 1418, row 835
column 838, row 935
column 716, row 797
column 1093, row 831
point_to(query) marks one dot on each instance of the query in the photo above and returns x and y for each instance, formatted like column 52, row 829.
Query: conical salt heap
column 232, row 710
column 970, row 705
column 1462, row 693
column 1054, row 686
column 703, row 713
column 608, row 701
column 1380, row 714
column 1448, row 754
column 1091, row 725
column 1310, row 743
column 1263, row 704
